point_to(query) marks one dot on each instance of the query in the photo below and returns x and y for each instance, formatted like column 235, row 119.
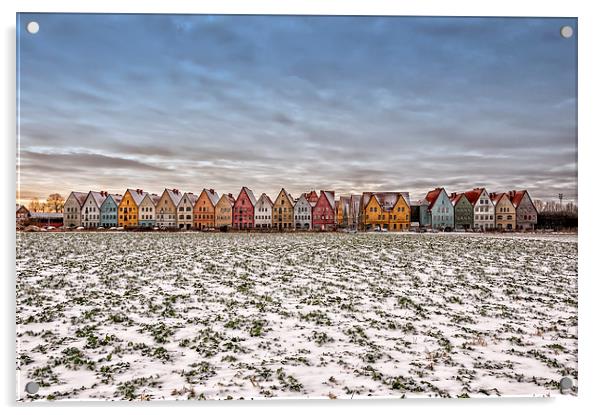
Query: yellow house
column 399, row 215
column 372, row 217
column 128, row 208
column 385, row 210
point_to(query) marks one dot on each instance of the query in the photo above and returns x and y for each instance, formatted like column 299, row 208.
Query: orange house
column 204, row 209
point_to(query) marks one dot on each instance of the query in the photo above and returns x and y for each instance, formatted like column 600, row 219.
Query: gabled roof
column 474, row 195
column 80, row 197
column 386, row 200
column 211, row 195
column 153, row 198
column 456, row 197
column 420, row 202
column 137, row 194
column 301, row 199
column 329, row 194
column 312, row 197
column 265, row 197
column 496, row 197
column 250, row 195
column 175, row 195
column 433, row 195
column 288, row 196
column 98, row 197
column 228, row 197
column 191, row 197
column 116, row 198
column 516, row 196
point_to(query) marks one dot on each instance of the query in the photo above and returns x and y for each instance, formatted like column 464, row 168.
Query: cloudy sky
column 344, row 103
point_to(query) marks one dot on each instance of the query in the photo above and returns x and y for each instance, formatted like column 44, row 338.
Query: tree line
column 53, row 203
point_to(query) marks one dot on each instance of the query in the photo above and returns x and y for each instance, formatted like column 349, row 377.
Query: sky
column 350, row 104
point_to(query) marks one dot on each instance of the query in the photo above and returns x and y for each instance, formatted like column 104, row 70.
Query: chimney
column 211, row 191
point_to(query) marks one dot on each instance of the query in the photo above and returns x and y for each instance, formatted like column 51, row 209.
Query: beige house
column 165, row 210
column 223, row 211
column 505, row 212
column 185, row 218
column 72, row 209
column 283, row 211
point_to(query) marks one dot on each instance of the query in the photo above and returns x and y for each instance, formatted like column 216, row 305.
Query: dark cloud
column 345, row 103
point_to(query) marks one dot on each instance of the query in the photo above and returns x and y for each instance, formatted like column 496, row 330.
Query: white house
column 72, row 209
column 185, row 217
column 90, row 213
column 146, row 210
column 263, row 212
column 484, row 209
column 302, row 213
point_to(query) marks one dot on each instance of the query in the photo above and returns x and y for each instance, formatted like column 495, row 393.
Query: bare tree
column 55, row 203
column 34, row 205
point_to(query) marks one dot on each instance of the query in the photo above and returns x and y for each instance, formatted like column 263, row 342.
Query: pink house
column 243, row 211
column 323, row 213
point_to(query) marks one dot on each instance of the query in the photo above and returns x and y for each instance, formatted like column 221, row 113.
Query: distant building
column 243, row 211
column 323, row 213
column 129, row 208
column 263, row 212
column 91, row 209
column 223, row 211
column 166, row 209
column 283, row 211
column 108, row 211
column 440, row 209
column 302, row 211
column 420, row 213
column 22, row 214
column 147, row 211
column 505, row 212
column 463, row 211
column 526, row 213
column 204, row 209
column 46, row 219
column 185, row 219
column 484, row 211
column 72, row 209
column 385, row 210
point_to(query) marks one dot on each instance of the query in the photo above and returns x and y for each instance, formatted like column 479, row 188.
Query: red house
column 323, row 213
column 243, row 211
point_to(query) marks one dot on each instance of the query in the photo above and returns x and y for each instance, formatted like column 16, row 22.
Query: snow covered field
column 230, row 316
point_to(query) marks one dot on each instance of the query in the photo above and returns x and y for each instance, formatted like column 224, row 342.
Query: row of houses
column 391, row 211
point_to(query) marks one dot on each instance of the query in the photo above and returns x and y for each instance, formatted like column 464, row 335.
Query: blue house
column 108, row 211
column 440, row 209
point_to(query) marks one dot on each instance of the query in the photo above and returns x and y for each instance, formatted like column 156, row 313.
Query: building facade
column 146, row 211
column 526, row 213
column 72, row 209
column 108, row 211
column 243, row 211
column 223, row 211
column 283, row 211
column 303, row 215
column 484, row 211
column 128, row 208
column 185, row 218
column 263, row 212
column 440, row 209
column 385, row 211
column 166, row 209
column 463, row 211
column 91, row 209
column 204, row 209
column 505, row 212
column 323, row 213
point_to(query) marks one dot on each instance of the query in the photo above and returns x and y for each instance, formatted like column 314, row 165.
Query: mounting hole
column 33, row 27
column 566, row 32
column 32, row 388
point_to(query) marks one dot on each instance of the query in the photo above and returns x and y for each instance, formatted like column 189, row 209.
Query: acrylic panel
column 266, row 207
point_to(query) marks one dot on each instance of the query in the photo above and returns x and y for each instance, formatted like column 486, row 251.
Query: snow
column 118, row 315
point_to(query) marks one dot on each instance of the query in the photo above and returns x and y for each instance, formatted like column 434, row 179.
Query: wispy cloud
column 346, row 103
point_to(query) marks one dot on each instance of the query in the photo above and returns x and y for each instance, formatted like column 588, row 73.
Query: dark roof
column 80, row 197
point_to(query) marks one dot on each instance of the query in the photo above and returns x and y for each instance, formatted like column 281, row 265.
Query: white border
column 590, row 68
